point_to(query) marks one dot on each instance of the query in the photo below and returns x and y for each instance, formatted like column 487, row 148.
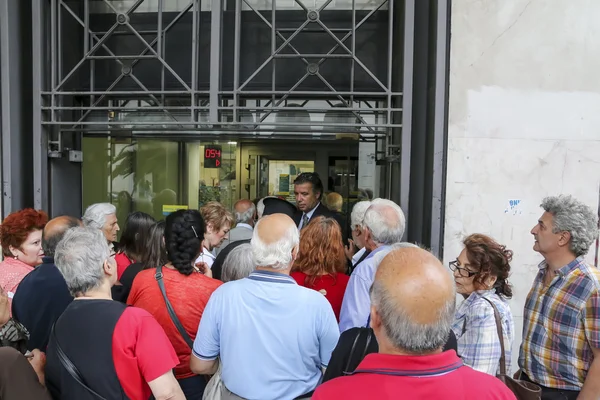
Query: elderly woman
column 119, row 351
column 481, row 274
column 218, row 223
column 186, row 288
column 321, row 263
column 238, row 264
column 103, row 216
column 21, row 241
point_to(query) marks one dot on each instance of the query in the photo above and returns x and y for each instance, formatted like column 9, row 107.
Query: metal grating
column 73, row 101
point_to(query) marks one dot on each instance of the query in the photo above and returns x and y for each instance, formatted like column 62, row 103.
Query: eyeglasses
column 465, row 273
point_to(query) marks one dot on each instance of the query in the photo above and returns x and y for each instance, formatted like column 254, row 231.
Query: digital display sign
column 212, row 157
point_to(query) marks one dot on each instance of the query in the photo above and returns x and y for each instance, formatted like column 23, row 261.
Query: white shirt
column 309, row 215
column 206, row 257
column 358, row 255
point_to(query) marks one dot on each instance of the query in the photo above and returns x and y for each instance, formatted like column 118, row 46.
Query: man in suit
column 245, row 215
column 308, row 190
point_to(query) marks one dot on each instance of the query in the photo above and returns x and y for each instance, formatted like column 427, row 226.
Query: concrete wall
column 524, row 122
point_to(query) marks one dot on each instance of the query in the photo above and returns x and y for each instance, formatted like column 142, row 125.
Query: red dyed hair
column 18, row 225
column 321, row 249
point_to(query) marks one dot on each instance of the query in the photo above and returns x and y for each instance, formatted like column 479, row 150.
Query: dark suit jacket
column 326, row 212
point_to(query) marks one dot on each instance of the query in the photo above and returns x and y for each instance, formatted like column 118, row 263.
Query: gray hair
column 384, row 230
column 238, row 264
column 260, row 206
column 276, row 255
column 80, row 258
column 381, row 254
column 415, row 338
column 95, row 215
column 358, row 213
column 575, row 217
column 247, row 216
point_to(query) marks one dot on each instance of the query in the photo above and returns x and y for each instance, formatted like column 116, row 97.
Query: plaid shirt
column 477, row 335
column 561, row 326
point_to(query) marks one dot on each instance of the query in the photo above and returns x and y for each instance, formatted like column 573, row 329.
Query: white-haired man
column 356, row 219
column 561, row 333
column 287, row 332
column 102, row 216
column 382, row 225
column 245, row 217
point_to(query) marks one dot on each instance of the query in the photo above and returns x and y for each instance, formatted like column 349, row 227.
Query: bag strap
column 353, row 349
column 500, row 337
column 161, row 284
column 70, row 367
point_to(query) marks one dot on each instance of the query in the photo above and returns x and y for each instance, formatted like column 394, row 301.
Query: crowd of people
column 284, row 301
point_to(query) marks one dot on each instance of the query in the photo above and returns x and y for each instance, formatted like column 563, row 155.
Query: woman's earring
column 16, row 257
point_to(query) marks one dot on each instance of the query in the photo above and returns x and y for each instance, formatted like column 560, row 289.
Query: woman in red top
column 187, row 289
column 321, row 261
column 133, row 238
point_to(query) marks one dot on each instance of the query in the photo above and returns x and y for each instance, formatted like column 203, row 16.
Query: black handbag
column 70, row 367
column 523, row 390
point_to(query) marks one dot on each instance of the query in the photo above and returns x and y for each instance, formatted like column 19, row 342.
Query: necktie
column 304, row 221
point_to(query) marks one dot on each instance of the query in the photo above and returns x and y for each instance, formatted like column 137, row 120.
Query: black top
column 121, row 292
column 85, row 334
column 217, row 267
column 40, row 299
column 352, row 347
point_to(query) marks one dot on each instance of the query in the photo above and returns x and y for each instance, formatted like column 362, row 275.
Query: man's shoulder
column 487, row 386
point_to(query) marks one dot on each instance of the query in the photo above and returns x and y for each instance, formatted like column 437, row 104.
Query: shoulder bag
column 522, row 390
column 159, row 278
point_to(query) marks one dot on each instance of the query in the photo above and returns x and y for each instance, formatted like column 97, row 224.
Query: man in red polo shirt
column 412, row 308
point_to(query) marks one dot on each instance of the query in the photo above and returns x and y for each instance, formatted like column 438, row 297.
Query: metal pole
column 407, row 90
column 440, row 129
column 40, row 140
column 215, row 59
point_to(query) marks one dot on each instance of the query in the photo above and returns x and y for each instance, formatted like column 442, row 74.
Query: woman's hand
column 37, row 359
column 203, row 268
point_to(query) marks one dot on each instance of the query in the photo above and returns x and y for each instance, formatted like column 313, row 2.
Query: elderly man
column 289, row 331
column 413, row 302
column 120, row 351
column 103, row 216
column 561, row 331
column 383, row 225
column 356, row 219
column 43, row 294
column 245, row 216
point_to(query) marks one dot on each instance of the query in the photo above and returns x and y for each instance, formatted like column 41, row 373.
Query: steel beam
column 440, row 135
column 15, row 105
column 216, row 17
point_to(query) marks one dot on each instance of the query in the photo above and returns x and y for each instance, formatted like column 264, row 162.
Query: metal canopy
column 72, row 101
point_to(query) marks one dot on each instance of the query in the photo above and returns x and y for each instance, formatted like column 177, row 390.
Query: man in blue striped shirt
column 273, row 337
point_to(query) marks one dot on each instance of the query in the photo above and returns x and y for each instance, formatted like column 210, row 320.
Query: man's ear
column 565, row 238
column 375, row 320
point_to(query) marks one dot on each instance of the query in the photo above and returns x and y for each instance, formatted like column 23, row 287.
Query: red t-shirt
column 188, row 296
column 436, row 378
column 141, row 352
column 122, row 263
column 332, row 288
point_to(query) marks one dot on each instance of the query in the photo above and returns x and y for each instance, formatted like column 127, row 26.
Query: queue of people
column 307, row 304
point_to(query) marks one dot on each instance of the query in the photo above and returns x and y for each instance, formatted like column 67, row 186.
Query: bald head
column 54, row 231
column 385, row 221
column 414, row 298
column 275, row 242
column 244, row 211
